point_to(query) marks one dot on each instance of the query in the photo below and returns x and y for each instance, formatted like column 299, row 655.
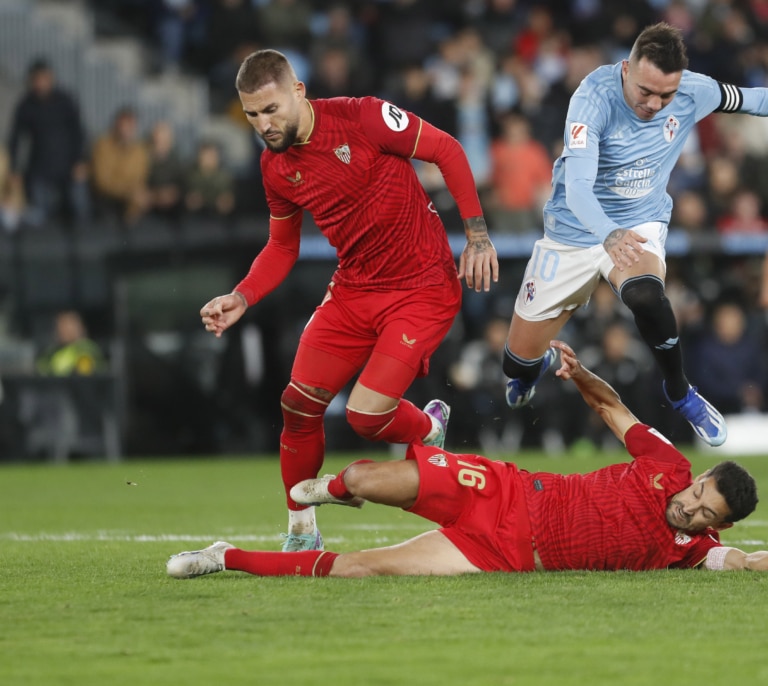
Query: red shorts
column 480, row 505
column 353, row 323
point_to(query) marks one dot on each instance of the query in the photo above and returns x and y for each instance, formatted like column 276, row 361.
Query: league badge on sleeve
column 577, row 135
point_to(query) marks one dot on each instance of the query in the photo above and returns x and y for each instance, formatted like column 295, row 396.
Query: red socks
column 305, row 563
column 337, row 488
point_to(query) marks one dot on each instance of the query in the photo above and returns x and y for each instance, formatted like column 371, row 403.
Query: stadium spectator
column 745, row 215
column 334, row 76
column 72, row 352
column 479, row 410
column 494, row 517
column 120, row 163
column 165, row 179
column 395, row 293
column 209, row 187
column 47, row 149
column 609, row 211
column 12, row 200
column 731, row 348
column 690, row 213
column 233, row 32
column 287, row 23
column 180, row 26
column 521, row 175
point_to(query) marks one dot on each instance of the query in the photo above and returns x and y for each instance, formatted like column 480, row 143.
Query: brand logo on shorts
column 529, row 291
column 438, row 460
column 408, row 342
column 682, row 539
column 343, row 153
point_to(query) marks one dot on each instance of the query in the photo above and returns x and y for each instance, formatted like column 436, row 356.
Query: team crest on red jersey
column 343, row 153
column 438, row 460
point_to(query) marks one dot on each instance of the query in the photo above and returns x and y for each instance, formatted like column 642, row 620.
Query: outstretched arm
column 596, row 393
column 738, row 559
column 267, row 272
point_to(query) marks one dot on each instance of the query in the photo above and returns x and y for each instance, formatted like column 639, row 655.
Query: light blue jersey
column 618, row 164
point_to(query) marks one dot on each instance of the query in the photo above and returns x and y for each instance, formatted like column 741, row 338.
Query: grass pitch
column 84, row 599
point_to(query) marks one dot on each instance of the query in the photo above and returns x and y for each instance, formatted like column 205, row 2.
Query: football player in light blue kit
column 609, row 210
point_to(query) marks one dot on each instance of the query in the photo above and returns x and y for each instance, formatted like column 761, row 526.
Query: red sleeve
column 398, row 132
column 446, row 152
column 275, row 261
column 645, row 441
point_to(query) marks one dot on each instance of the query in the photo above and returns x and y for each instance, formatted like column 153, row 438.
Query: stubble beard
column 290, row 135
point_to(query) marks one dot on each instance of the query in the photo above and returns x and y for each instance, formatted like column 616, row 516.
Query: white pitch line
column 71, row 537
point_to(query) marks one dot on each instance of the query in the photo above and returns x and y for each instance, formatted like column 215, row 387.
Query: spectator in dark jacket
column 47, row 149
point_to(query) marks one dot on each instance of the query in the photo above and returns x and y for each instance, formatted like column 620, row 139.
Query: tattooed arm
column 478, row 264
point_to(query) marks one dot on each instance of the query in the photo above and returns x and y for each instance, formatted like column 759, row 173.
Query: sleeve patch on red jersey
column 394, row 117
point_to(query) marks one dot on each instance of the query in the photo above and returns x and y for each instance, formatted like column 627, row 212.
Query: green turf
column 84, row 599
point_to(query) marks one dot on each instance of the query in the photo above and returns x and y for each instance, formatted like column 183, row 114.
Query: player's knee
column 356, row 474
column 370, row 425
column 643, row 294
column 301, row 409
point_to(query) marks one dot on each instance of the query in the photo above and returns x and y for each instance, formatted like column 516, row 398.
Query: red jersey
column 614, row 518
column 354, row 175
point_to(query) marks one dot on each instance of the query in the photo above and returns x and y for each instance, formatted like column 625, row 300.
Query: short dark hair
column 37, row 65
column 738, row 488
column 263, row 67
column 663, row 46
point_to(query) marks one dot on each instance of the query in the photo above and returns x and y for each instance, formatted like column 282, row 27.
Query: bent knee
column 369, row 424
column 301, row 406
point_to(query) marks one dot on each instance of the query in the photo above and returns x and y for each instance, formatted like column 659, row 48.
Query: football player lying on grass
column 645, row 514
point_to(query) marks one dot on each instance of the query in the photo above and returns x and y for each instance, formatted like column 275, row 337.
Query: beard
column 289, row 138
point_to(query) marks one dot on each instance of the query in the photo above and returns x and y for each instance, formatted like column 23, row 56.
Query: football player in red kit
column 646, row 514
column 396, row 290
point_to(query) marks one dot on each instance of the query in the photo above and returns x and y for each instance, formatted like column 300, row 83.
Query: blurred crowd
column 496, row 74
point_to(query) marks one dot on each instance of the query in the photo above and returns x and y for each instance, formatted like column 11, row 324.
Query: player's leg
column 409, row 327
column 430, row 553
column 316, row 378
column 527, row 355
column 641, row 288
column 387, row 483
column 558, row 279
column 384, row 415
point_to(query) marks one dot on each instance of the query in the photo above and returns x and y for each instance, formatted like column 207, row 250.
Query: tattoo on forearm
column 477, row 234
column 474, row 225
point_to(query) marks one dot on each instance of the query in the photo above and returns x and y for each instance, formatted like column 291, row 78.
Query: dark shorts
column 480, row 505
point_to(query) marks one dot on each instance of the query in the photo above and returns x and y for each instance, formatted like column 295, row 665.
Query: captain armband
column 716, row 558
column 731, row 98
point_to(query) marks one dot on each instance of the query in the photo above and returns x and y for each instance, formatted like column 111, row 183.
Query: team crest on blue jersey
column 671, row 126
column 529, row 291
column 343, row 153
